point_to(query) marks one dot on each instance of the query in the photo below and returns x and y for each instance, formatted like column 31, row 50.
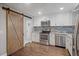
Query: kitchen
column 51, row 25
column 60, row 31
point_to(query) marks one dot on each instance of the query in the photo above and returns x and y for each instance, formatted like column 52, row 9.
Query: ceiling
column 45, row 8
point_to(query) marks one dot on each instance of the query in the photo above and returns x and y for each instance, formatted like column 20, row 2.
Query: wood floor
column 34, row 49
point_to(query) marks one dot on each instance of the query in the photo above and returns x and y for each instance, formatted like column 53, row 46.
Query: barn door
column 14, row 32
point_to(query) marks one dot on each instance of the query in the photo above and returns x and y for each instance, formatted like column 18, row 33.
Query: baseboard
column 59, row 46
column 26, row 43
column 34, row 42
column 43, row 44
column 52, row 45
column 38, row 43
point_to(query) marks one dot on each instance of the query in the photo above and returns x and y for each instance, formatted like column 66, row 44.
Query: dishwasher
column 60, row 40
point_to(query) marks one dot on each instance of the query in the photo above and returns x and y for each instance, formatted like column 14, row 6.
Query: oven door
column 44, row 38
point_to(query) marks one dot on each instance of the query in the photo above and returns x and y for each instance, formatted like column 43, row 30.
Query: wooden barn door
column 14, row 32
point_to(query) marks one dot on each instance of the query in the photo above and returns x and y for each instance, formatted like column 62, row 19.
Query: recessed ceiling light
column 61, row 8
column 39, row 12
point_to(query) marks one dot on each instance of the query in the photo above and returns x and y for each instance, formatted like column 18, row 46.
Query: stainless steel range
column 44, row 37
column 45, row 34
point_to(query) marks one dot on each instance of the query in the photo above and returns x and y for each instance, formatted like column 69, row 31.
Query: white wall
column 28, row 25
column 57, row 19
column 2, row 32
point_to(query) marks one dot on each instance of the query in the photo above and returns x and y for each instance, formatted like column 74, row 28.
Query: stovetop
column 47, row 32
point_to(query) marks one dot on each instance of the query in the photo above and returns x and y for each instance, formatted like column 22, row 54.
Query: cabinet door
column 57, row 40
column 62, row 40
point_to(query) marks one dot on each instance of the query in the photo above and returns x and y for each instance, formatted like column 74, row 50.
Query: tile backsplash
column 67, row 29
